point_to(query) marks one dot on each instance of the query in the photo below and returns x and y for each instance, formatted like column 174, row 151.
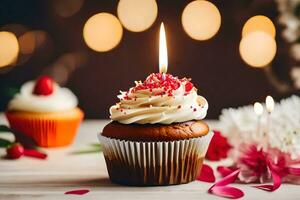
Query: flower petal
column 224, row 171
column 78, row 192
column 230, row 178
column 271, row 187
column 227, row 191
column 294, row 171
column 206, row 174
column 221, row 189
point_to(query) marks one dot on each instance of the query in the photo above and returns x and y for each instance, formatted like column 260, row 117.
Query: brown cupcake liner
column 154, row 163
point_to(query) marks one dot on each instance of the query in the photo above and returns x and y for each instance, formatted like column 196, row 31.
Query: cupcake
column 156, row 136
column 45, row 112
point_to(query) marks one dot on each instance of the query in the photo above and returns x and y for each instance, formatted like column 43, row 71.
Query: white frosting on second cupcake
column 61, row 99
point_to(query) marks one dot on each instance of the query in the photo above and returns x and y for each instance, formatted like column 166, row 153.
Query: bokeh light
column 102, row 32
column 259, row 23
column 27, row 43
column 137, row 15
column 9, row 48
column 65, row 65
column 67, row 8
column 16, row 29
column 32, row 40
column 258, row 49
column 201, row 20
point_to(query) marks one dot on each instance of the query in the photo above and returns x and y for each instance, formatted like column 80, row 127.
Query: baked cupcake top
column 162, row 99
column 156, row 132
column 43, row 95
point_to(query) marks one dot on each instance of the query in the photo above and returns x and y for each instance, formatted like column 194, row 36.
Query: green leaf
column 5, row 129
column 95, row 145
column 12, row 91
column 86, row 151
column 4, row 143
column 94, row 148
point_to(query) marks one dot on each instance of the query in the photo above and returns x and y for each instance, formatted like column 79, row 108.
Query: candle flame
column 163, row 52
column 270, row 104
column 258, row 109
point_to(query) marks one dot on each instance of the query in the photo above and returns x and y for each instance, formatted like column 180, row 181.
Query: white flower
column 241, row 125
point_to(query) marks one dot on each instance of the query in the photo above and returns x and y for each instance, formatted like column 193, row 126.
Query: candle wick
column 163, row 76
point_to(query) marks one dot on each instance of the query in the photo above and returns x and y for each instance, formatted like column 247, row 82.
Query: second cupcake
column 45, row 112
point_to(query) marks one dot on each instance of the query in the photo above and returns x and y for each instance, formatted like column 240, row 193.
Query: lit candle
column 163, row 52
column 258, row 110
column 270, row 107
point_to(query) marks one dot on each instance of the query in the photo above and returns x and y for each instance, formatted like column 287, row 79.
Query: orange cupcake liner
column 46, row 132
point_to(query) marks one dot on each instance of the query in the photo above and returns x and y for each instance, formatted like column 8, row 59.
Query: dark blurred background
column 215, row 66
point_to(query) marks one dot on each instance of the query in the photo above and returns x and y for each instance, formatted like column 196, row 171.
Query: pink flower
column 218, row 148
column 253, row 164
column 256, row 165
column 282, row 164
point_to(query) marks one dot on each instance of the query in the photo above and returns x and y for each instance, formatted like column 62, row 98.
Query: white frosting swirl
column 61, row 99
column 145, row 106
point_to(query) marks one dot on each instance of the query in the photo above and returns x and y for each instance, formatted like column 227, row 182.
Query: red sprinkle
column 188, row 86
column 194, row 109
column 156, row 81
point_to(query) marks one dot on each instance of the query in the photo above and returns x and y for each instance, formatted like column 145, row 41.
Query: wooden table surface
column 29, row 178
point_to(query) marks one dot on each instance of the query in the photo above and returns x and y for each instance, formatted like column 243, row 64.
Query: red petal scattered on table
column 35, row 154
column 220, row 188
column 78, row 192
column 227, row 191
column 231, row 178
column 206, row 174
column 224, row 171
